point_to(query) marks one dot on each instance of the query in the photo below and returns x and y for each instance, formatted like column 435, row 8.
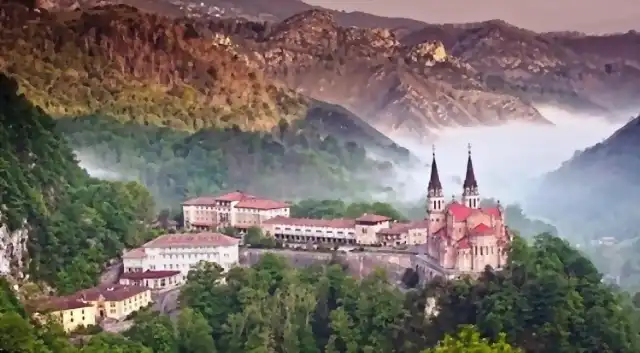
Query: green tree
column 155, row 331
column 113, row 343
column 194, row 333
column 17, row 336
column 468, row 340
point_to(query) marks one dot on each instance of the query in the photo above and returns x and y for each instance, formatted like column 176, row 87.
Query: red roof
column 148, row 275
column 461, row 212
column 235, row 196
column 201, row 201
column 191, row 239
column 493, row 211
column 262, row 204
column 211, row 200
column 310, row 222
column 112, row 292
column 61, row 303
column 482, row 229
column 372, row 218
column 135, row 254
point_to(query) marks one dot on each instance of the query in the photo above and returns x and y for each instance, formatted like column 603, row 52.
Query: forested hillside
column 303, row 159
column 549, row 298
column 74, row 223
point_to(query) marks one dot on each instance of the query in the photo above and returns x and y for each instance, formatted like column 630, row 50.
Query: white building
column 368, row 229
column 235, row 209
column 305, row 230
column 181, row 252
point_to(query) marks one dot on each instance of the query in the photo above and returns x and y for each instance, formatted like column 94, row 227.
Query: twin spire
column 470, row 181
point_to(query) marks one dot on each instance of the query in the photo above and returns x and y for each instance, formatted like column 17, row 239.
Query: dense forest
column 294, row 160
column 75, row 223
column 549, row 298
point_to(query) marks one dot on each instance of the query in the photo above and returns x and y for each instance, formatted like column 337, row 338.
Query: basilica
column 462, row 236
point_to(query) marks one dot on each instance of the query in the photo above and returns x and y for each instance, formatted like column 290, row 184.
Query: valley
column 134, row 136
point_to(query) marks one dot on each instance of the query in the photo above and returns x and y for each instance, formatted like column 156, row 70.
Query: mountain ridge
column 484, row 73
column 593, row 194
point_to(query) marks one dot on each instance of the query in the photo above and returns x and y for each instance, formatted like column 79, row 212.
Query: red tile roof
column 191, row 239
column 135, row 254
column 372, row 218
column 148, row 275
column 482, row 229
column 211, row 200
column 493, row 211
column 461, row 212
column 310, row 222
column 200, row 201
column 235, row 196
column 61, row 303
column 262, row 204
column 113, row 292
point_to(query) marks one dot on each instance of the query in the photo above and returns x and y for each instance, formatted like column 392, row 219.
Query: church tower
column 435, row 197
column 470, row 195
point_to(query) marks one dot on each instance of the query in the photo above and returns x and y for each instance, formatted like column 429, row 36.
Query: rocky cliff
column 410, row 89
column 189, row 74
column 443, row 75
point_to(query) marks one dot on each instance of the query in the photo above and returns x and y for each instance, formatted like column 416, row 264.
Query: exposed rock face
column 412, row 84
column 13, row 248
column 598, row 74
column 401, row 89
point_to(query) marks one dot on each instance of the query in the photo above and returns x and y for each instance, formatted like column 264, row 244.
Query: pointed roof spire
column 470, row 178
column 434, row 180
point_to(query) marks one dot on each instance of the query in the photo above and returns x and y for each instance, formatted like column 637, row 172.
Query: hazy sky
column 541, row 15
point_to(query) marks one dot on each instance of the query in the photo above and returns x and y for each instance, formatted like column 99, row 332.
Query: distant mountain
column 595, row 193
column 225, row 72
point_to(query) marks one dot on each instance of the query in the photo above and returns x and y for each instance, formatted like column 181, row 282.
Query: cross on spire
column 434, row 181
column 470, row 177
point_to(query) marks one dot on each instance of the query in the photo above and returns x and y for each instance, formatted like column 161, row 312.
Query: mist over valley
column 182, row 176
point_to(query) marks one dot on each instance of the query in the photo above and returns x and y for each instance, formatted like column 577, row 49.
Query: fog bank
column 88, row 163
column 509, row 158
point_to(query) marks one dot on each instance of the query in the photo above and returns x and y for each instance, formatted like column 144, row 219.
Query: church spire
column 435, row 199
column 434, row 180
column 470, row 179
column 470, row 195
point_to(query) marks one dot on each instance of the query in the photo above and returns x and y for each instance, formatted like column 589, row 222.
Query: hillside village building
column 235, row 209
column 156, row 262
column 87, row 307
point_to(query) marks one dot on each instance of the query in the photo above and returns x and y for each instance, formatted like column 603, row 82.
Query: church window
column 481, row 253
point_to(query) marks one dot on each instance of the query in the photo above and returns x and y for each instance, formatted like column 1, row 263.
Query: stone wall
column 360, row 263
